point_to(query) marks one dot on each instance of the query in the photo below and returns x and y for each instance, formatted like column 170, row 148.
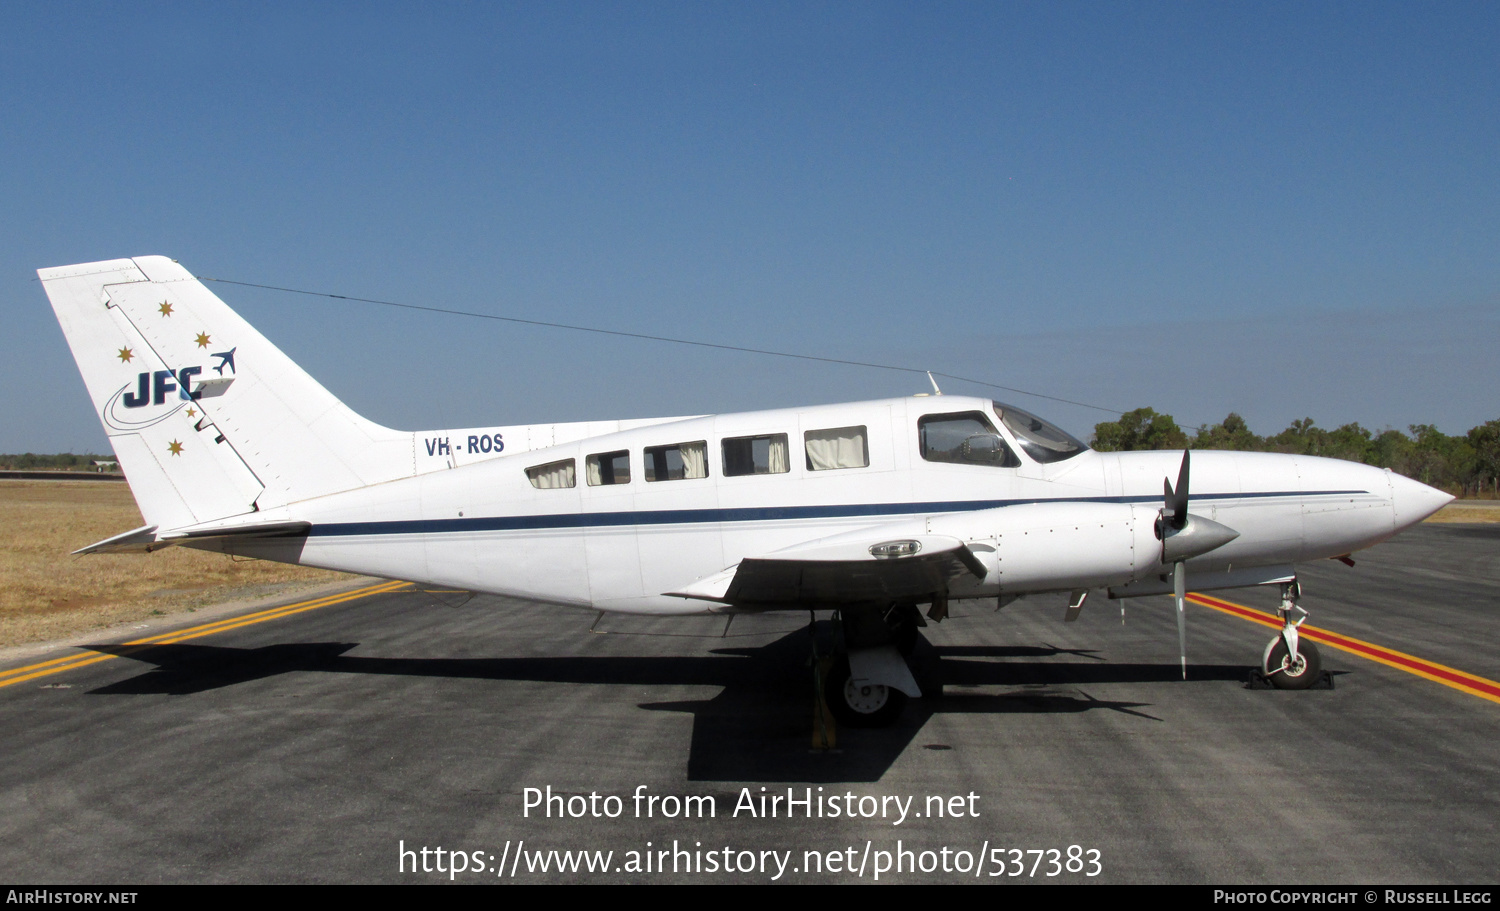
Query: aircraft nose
column 1413, row 501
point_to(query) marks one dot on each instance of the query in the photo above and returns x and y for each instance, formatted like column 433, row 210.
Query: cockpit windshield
column 1043, row 441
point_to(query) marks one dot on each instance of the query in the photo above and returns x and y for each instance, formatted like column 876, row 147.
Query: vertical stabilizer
column 208, row 418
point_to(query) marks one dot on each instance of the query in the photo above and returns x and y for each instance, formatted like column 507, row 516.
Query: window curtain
column 777, row 454
column 553, row 476
column 694, row 459
column 841, row 447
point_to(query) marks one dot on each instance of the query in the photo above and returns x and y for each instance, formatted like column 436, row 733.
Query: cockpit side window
column 967, row 438
column 1043, row 441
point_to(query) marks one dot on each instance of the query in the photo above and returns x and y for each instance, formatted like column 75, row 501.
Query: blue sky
column 1285, row 210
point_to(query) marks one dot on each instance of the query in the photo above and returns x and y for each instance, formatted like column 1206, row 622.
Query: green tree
column 1485, row 440
column 1391, row 449
column 1300, row 438
column 1233, row 433
column 1350, row 442
column 1142, row 428
column 1438, row 459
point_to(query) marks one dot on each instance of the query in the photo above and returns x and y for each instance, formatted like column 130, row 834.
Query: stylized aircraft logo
column 226, row 359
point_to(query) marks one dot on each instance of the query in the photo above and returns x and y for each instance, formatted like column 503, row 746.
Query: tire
column 1283, row 675
column 871, row 706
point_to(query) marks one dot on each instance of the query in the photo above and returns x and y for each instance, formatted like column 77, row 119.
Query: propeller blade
column 1176, row 500
column 1179, row 589
column 1174, row 515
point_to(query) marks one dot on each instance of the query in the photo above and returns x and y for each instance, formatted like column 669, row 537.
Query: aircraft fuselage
column 1083, row 522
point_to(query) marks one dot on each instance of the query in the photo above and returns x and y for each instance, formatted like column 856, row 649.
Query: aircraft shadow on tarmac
column 1482, row 532
column 760, row 725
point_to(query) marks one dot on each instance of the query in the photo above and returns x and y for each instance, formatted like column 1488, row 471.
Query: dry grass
column 1467, row 511
column 46, row 593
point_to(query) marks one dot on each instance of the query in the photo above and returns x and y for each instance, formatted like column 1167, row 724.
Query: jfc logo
column 154, row 388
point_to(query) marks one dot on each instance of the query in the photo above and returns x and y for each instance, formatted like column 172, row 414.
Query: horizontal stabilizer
column 243, row 530
column 139, row 541
column 146, row 539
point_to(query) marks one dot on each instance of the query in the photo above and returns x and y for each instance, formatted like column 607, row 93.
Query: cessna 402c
column 873, row 509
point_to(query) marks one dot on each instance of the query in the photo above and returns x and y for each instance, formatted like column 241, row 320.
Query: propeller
column 1174, row 518
column 1183, row 537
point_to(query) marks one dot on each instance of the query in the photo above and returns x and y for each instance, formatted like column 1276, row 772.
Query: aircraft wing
column 840, row 570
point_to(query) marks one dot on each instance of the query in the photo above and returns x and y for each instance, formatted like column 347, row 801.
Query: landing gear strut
column 1289, row 662
column 903, row 620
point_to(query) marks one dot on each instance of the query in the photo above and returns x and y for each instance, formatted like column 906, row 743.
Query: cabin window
column 755, row 455
column 838, row 447
column 677, row 462
column 553, row 475
column 967, row 438
column 608, row 468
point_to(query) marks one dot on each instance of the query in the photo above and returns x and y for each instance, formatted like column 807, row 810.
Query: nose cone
column 1413, row 501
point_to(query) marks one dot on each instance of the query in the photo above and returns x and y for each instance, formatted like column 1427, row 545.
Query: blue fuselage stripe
column 745, row 514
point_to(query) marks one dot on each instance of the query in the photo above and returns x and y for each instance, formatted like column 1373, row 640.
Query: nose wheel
column 1287, row 672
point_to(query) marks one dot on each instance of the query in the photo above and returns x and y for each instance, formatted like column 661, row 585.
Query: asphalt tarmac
column 335, row 744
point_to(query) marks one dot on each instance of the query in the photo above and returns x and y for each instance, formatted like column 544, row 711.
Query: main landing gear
column 857, row 703
column 1291, row 663
column 869, row 681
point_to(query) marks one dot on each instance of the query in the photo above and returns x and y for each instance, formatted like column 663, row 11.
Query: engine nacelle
column 1036, row 547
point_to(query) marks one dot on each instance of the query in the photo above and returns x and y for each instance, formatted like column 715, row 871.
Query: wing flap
column 842, row 570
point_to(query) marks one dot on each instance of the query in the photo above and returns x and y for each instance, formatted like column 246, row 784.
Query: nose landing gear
column 1291, row 663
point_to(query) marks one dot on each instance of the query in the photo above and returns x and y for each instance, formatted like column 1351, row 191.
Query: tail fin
column 209, row 420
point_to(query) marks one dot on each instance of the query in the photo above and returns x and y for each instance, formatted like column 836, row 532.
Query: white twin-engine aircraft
column 870, row 509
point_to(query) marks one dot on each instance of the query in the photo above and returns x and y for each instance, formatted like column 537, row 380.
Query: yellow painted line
column 89, row 656
column 1459, row 680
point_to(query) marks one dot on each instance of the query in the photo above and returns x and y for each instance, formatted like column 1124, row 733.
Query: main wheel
column 1286, row 674
column 870, row 705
